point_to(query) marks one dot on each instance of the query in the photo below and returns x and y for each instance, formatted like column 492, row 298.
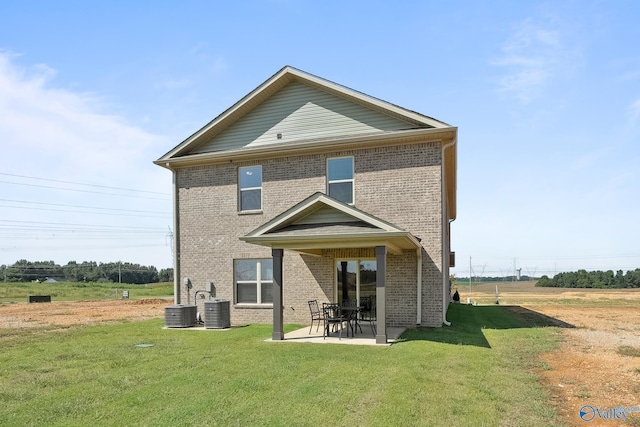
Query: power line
column 79, row 206
column 83, row 212
column 83, row 191
column 6, row 229
column 78, row 225
column 552, row 257
column 69, row 239
column 82, row 247
column 80, row 183
column 73, row 229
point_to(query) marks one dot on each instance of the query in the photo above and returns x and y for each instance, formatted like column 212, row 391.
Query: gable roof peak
column 275, row 84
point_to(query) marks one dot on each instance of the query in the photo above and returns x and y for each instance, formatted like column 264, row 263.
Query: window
column 355, row 279
column 250, row 186
column 253, row 279
column 340, row 179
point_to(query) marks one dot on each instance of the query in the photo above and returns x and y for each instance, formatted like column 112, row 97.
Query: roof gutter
column 445, row 238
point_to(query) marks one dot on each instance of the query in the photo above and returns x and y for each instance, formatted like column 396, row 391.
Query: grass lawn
column 477, row 372
column 79, row 291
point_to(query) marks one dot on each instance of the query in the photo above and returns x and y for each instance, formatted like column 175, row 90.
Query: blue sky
column 546, row 96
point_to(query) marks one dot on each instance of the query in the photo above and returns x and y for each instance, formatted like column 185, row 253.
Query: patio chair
column 316, row 314
column 332, row 317
column 351, row 310
column 368, row 312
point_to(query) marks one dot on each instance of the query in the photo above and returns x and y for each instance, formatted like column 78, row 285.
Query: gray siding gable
column 299, row 112
column 325, row 215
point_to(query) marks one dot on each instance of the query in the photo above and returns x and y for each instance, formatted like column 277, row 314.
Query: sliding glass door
column 355, row 279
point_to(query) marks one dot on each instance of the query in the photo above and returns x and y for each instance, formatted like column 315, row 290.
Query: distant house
column 305, row 189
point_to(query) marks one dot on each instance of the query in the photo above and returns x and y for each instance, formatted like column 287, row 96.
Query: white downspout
column 445, row 238
column 419, row 262
column 176, row 238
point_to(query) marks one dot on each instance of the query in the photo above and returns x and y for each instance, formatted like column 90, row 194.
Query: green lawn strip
column 593, row 300
column 476, row 372
column 80, row 291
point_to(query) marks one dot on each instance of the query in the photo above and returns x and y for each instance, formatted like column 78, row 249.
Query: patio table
column 352, row 314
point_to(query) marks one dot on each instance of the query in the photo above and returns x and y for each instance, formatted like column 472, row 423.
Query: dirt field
column 587, row 368
column 66, row 314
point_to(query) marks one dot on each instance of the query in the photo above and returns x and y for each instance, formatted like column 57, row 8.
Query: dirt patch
column 68, row 313
column 587, row 369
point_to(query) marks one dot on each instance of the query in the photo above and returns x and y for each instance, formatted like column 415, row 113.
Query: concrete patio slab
column 366, row 337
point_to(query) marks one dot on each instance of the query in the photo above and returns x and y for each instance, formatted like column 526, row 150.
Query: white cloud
column 49, row 130
column 532, row 55
column 56, row 135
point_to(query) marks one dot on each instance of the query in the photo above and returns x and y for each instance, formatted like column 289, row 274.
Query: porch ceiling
column 314, row 245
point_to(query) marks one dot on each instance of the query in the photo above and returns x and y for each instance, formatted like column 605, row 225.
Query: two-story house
column 305, row 189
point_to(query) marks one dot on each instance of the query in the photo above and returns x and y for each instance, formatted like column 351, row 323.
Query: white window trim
column 240, row 190
column 258, row 282
column 339, row 181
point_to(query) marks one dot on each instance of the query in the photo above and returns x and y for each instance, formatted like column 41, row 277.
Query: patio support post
column 381, row 310
column 278, row 307
column 344, row 278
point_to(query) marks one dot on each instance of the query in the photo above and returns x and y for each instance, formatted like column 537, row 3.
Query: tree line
column 593, row 279
column 485, row 279
column 87, row 271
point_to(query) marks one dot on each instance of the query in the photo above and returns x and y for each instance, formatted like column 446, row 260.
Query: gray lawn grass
column 480, row 371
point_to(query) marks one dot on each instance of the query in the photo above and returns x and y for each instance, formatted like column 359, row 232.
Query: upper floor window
column 340, row 179
column 250, row 188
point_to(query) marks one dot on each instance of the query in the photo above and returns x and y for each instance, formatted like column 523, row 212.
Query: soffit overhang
column 313, row 146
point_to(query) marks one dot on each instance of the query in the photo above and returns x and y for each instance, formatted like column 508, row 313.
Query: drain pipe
column 419, row 257
column 176, row 239
column 445, row 237
column 195, row 301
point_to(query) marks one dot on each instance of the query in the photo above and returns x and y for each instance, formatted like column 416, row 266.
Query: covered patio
column 320, row 223
column 366, row 337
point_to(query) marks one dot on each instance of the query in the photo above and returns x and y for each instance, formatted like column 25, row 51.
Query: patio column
column 344, row 278
column 381, row 310
column 278, row 308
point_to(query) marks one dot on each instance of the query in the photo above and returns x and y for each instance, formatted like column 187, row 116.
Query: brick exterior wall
column 399, row 184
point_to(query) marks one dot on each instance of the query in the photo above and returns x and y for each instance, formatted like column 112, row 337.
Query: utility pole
column 119, row 272
column 470, row 269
